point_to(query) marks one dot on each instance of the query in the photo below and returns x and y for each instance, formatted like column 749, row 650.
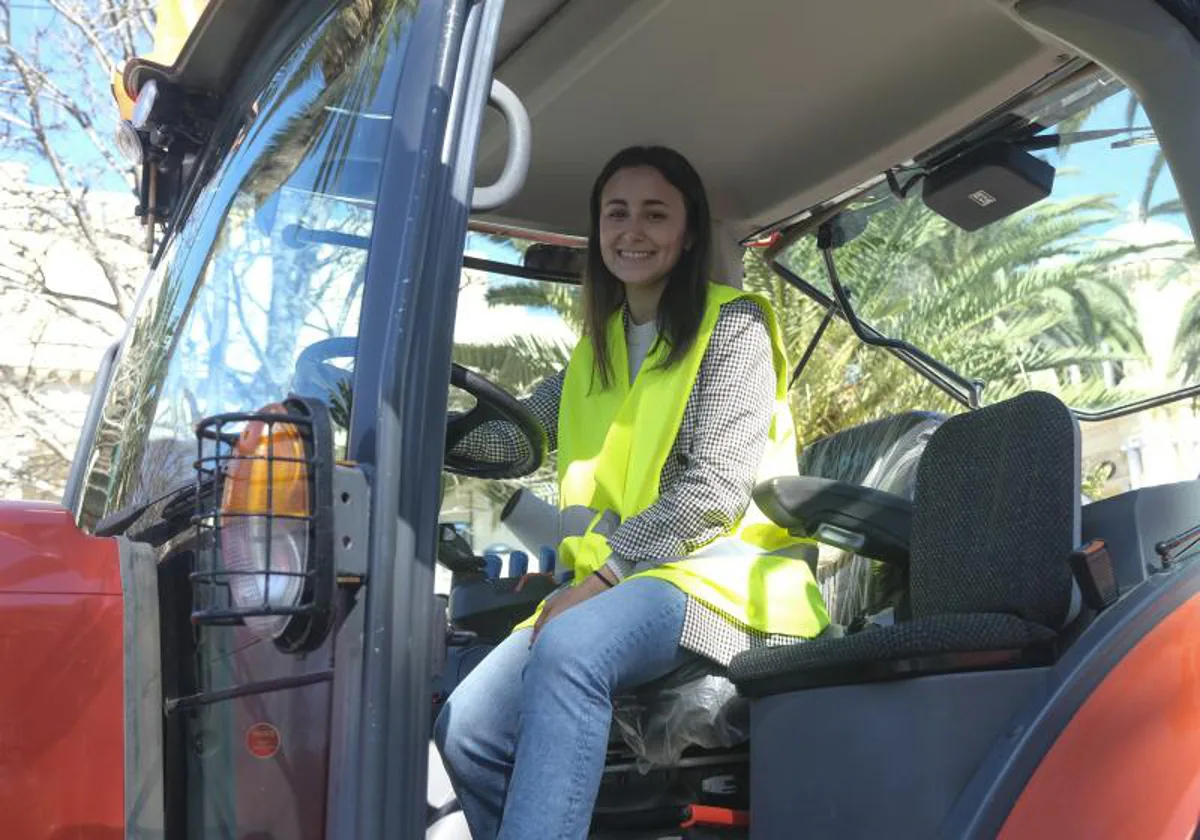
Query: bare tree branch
column 52, row 158
column 46, row 440
column 70, row 257
column 104, row 61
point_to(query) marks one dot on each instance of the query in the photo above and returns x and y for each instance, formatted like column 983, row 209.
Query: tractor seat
column 882, row 455
column 995, row 517
column 696, row 706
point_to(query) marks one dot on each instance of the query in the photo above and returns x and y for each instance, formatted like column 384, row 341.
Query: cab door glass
column 267, row 285
column 515, row 332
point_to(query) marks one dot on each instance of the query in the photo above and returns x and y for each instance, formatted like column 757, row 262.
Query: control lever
column 460, row 638
column 454, row 552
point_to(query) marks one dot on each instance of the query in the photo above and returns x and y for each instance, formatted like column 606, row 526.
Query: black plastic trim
column 194, row 701
column 524, row 272
column 807, row 504
column 897, row 669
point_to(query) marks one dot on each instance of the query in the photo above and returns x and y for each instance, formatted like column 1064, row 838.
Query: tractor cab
column 366, row 220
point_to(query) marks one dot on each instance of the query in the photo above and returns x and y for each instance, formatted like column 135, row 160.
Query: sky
column 29, row 17
column 1095, row 167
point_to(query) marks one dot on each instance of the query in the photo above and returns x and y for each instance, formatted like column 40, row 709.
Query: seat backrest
column 868, row 451
column 883, row 455
column 997, row 513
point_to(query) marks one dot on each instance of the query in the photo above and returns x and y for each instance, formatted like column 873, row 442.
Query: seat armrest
column 860, row 519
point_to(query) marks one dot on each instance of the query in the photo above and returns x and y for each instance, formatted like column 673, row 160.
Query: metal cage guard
column 306, row 620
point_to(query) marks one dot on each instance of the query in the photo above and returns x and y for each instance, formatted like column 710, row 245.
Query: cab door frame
column 379, row 737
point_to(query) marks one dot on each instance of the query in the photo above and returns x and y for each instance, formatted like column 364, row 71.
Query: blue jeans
column 524, row 736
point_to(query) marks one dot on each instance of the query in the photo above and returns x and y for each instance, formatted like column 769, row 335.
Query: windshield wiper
column 175, row 516
column 297, row 236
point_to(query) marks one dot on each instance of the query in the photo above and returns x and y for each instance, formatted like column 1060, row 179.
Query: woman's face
column 643, row 226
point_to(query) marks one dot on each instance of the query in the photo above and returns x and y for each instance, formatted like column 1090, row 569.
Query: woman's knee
column 451, row 734
column 441, row 727
column 561, row 655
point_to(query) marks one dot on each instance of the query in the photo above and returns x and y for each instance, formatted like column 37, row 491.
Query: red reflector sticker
column 262, row 740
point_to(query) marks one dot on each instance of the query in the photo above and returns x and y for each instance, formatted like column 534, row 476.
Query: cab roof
column 780, row 104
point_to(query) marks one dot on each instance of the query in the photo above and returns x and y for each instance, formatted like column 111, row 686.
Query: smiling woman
column 671, row 407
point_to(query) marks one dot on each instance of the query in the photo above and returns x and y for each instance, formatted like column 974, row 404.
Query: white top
column 640, row 338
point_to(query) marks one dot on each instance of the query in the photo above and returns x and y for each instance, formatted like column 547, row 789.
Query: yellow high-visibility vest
column 612, row 445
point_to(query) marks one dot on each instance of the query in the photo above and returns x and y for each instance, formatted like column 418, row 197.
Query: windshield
column 1092, row 294
column 257, row 294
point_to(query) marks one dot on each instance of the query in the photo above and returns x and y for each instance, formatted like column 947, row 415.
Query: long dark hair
column 681, row 308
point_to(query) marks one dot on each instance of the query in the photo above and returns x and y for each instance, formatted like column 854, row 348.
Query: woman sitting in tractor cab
column 672, row 407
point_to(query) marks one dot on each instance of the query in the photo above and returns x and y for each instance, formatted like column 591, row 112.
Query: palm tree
column 1185, row 361
column 1028, row 302
column 521, row 361
column 1154, row 173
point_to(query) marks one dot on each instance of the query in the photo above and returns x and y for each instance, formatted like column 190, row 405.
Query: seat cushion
column 875, row 653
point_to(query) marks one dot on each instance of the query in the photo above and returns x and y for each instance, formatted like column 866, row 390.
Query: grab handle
column 520, row 145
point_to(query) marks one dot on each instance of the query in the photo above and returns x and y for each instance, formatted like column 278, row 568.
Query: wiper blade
column 297, row 236
column 175, row 516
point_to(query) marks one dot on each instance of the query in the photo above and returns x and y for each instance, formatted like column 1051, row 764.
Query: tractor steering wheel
column 316, row 377
column 493, row 403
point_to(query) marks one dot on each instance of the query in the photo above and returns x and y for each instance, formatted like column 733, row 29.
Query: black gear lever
column 454, row 552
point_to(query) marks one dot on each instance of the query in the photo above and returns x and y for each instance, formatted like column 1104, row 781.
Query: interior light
column 265, row 514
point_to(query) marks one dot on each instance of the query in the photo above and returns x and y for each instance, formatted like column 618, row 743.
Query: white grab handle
column 520, row 148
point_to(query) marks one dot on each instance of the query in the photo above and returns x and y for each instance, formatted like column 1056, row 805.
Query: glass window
column 258, row 294
column 844, row 382
column 1092, row 294
column 516, row 333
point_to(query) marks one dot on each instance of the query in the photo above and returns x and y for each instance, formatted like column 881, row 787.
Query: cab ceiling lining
column 780, row 104
column 521, row 20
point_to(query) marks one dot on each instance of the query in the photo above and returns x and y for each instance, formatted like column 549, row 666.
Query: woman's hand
column 567, row 599
column 528, row 576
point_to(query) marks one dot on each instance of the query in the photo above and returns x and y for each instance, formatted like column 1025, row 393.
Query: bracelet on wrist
column 605, row 580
